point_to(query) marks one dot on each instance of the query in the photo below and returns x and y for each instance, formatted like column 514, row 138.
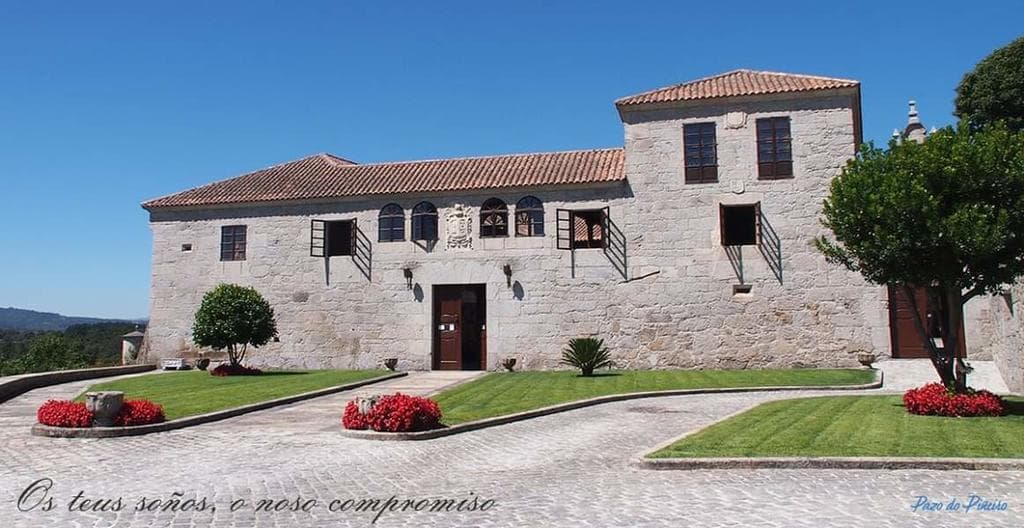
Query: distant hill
column 18, row 319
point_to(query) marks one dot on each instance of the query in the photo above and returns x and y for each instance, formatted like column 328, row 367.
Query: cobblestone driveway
column 569, row 469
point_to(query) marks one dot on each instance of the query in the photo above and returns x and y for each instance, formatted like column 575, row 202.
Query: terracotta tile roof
column 736, row 83
column 323, row 176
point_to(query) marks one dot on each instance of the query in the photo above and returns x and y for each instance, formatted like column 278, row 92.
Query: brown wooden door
column 448, row 328
column 906, row 342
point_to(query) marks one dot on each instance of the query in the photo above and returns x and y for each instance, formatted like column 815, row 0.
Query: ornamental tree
column 994, row 89
column 232, row 317
column 946, row 215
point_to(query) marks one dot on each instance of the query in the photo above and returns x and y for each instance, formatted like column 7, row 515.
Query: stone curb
column 20, row 384
column 189, row 421
column 562, row 407
column 982, row 464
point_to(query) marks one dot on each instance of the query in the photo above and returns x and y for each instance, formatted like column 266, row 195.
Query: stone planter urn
column 866, row 358
column 104, row 406
column 365, row 404
column 509, row 364
column 391, row 363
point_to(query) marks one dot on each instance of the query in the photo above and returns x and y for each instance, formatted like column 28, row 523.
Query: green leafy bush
column 587, row 354
column 232, row 317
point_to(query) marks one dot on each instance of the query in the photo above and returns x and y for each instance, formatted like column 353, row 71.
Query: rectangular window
column 700, row 153
column 588, row 229
column 232, row 242
column 340, row 236
column 739, row 224
column 774, row 149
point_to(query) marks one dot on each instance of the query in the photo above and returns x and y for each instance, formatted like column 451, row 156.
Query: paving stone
column 568, row 469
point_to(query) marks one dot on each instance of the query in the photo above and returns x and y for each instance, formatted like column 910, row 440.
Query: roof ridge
column 822, row 77
column 487, row 157
column 684, row 83
column 756, row 77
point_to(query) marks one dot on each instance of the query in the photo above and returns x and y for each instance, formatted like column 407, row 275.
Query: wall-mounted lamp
column 407, row 272
column 508, row 274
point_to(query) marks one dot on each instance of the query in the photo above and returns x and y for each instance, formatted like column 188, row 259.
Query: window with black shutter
column 340, row 237
column 774, row 149
column 700, row 152
column 739, row 224
column 232, row 242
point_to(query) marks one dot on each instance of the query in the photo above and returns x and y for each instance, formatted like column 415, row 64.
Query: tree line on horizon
column 78, row 346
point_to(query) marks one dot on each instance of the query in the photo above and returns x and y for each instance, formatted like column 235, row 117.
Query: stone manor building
column 688, row 247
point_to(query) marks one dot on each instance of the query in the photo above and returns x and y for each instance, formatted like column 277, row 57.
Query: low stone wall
column 13, row 386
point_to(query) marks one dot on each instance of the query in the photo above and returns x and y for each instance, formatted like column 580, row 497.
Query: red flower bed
column 139, row 412
column 396, row 413
column 64, row 413
column 353, row 419
column 226, row 369
column 934, row 399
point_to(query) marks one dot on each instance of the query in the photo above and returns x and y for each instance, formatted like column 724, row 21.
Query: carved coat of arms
column 458, row 223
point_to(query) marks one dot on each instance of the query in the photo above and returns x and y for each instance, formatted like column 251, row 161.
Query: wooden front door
column 906, row 342
column 460, row 330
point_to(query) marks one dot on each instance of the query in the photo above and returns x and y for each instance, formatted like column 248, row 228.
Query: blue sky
column 103, row 106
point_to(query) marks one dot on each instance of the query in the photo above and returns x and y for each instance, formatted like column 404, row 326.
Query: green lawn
column 854, row 426
column 197, row 392
column 510, row 392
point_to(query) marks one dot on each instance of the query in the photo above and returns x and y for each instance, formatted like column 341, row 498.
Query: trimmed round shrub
column 227, row 369
column 395, row 413
column 934, row 399
column 139, row 412
column 64, row 413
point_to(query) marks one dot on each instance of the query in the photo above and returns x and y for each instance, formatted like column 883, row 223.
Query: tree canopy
column 946, row 215
column 994, row 89
column 232, row 317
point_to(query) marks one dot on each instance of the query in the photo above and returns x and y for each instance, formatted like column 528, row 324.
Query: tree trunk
column 950, row 301
column 232, row 356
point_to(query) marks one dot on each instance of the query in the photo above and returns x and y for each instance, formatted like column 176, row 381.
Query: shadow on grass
column 600, row 375
column 1014, row 407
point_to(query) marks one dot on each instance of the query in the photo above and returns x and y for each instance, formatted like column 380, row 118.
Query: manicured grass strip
column 511, row 392
column 854, row 426
column 197, row 392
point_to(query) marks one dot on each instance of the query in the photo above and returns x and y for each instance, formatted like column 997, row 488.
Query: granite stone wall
column 676, row 308
column 1007, row 322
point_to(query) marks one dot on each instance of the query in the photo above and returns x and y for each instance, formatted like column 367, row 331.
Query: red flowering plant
column 353, row 419
column 64, row 413
column 935, row 399
column 228, row 369
column 395, row 413
column 139, row 412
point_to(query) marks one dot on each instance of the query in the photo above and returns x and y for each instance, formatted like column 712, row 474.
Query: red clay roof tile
column 323, row 176
column 736, row 83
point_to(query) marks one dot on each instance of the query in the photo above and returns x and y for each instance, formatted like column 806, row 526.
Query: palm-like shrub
column 586, row 354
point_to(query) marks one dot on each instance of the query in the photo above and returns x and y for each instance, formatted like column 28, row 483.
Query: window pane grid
column 232, row 243
column 774, row 148
column 701, row 158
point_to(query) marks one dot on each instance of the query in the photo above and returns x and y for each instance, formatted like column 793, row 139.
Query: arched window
column 391, row 223
column 529, row 217
column 493, row 219
column 424, row 221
